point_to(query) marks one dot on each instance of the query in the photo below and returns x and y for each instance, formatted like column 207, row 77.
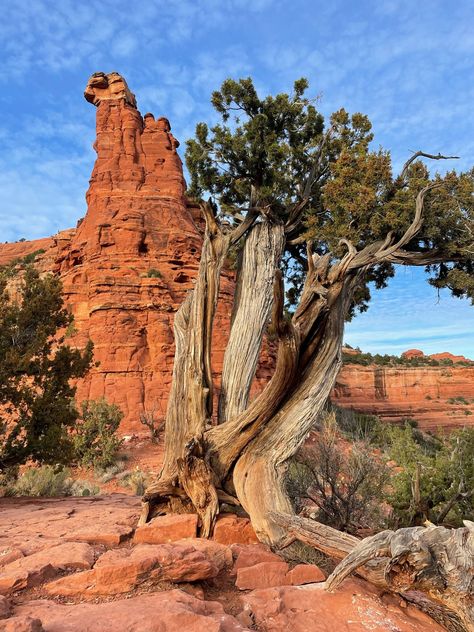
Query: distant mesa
column 445, row 355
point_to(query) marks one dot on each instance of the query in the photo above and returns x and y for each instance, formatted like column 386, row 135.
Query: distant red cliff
column 435, row 396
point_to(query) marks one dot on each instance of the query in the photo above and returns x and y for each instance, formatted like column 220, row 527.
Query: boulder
column 122, row 570
column 34, row 569
column 169, row 611
column 167, row 529
column 232, row 529
column 276, row 573
column 305, row 574
column 263, row 575
column 10, row 555
column 354, row 607
column 251, row 554
column 219, row 554
column 22, row 624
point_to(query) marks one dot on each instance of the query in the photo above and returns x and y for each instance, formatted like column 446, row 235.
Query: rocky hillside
column 79, row 564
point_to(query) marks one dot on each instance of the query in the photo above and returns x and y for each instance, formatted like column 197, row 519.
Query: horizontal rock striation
column 434, row 396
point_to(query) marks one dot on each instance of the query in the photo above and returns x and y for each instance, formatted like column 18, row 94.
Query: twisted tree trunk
column 253, row 299
column 260, row 472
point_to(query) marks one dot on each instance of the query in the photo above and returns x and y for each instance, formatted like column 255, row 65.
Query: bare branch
column 419, row 154
column 242, row 228
column 295, row 214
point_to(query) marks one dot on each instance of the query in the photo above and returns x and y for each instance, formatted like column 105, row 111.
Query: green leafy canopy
column 265, row 152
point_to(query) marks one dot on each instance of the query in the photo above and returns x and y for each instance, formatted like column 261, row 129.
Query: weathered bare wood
column 422, row 154
column 373, row 556
column 190, row 402
column 434, row 560
column 252, row 304
column 259, row 473
column 336, row 544
column 196, row 478
column 226, row 441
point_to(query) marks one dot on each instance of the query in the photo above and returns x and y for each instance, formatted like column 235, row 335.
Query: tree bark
column 253, row 299
column 260, row 472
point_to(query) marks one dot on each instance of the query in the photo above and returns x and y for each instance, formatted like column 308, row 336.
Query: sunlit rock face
column 128, row 265
column 436, row 397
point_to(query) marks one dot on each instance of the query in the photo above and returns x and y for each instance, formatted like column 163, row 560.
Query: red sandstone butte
column 127, row 266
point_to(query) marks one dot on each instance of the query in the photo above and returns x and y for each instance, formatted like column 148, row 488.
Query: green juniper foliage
column 95, row 440
column 262, row 152
column 36, row 398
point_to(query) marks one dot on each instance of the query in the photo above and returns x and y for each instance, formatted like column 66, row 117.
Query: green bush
column 436, row 477
column 95, row 440
column 153, row 273
column 47, row 480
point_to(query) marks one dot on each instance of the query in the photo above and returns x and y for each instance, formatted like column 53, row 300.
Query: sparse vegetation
column 137, row 481
column 47, row 480
column 368, row 359
column 154, row 421
column 95, row 439
column 153, row 273
column 346, row 483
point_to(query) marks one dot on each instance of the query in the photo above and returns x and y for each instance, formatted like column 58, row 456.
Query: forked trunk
column 253, row 299
column 260, row 473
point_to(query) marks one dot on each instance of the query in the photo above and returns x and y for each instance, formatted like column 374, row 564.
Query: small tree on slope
column 321, row 206
column 36, row 398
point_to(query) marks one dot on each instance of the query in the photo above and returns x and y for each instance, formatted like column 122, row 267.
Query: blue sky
column 408, row 65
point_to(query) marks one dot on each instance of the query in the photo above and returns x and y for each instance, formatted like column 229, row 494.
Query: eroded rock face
column 128, row 265
column 435, row 396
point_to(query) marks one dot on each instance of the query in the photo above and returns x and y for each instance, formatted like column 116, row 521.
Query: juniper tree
column 37, row 407
column 315, row 202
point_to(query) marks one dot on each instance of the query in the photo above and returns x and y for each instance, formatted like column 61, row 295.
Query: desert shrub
column 95, row 440
column 345, row 482
column 84, row 488
column 359, row 426
column 112, row 471
column 435, row 481
column 8, row 478
column 47, row 480
column 153, row 273
column 154, row 421
column 137, row 481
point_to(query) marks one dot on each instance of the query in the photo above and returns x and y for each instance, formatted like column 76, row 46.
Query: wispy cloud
column 408, row 65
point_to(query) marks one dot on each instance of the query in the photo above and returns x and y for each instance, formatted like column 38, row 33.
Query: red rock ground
column 79, row 565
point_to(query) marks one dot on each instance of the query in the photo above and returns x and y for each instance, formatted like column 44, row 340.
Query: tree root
column 431, row 567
